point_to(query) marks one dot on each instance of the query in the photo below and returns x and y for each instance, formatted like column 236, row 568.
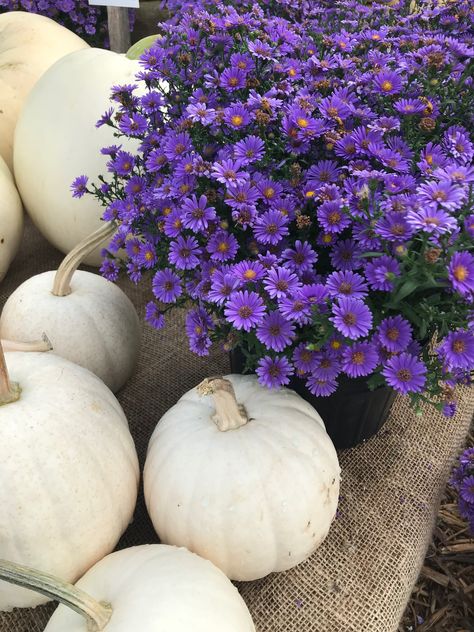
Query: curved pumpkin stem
column 229, row 414
column 97, row 614
column 62, row 279
column 9, row 391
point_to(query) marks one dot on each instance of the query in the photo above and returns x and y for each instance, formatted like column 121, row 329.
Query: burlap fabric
column 361, row 577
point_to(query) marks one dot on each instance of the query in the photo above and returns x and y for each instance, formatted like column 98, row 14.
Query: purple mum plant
column 462, row 481
column 305, row 189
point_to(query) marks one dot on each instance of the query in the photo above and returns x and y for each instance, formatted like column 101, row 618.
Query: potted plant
column 305, row 189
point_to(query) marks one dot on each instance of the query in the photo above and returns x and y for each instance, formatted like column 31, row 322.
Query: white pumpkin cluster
column 255, row 469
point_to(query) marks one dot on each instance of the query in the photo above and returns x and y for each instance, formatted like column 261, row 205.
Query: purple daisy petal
column 351, row 317
column 274, row 372
column 405, row 373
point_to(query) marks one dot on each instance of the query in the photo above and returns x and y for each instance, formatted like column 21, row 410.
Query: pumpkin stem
column 38, row 345
column 9, row 391
column 62, row 279
column 229, row 414
column 97, row 614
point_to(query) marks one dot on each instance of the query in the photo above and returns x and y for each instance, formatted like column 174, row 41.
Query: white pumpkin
column 11, row 218
column 252, row 487
column 29, row 45
column 56, row 141
column 87, row 319
column 68, row 469
column 148, row 588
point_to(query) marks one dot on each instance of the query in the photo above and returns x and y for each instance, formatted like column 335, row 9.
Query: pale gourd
column 148, row 588
column 88, row 319
column 56, row 141
column 247, row 478
column 29, row 45
column 68, row 469
column 11, row 218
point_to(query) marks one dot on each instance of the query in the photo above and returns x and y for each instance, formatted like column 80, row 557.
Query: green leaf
column 405, row 290
column 136, row 50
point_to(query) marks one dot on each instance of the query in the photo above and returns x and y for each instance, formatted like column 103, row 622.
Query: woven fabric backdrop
column 361, row 578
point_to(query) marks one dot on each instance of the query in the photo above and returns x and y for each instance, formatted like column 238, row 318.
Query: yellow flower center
column 302, row 122
column 335, row 344
column 310, row 194
column 429, row 159
column 432, row 220
column 292, row 72
column 459, row 346
column 149, row 255
column 269, row 192
column 358, row 357
column 250, row 274
column 233, row 81
column 327, row 239
column 223, row 246
column 387, row 85
column 460, row 273
column 237, row 120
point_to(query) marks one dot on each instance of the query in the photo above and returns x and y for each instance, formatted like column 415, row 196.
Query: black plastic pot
column 351, row 415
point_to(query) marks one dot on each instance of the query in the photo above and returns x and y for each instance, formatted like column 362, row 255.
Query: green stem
column 97, row 614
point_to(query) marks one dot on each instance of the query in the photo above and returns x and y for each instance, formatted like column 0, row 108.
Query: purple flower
column 303, row 359
column 381, row 272
column 405, row 373
column 409, row 106
column 388, row 82
column 467, row 489
column 245, row 309
column 274, row 372
column 249, row 150
column 347, row 283
column 248, row 271
column 321, row 387
column 395, row 333
column 153, row 316
column 178, row 144
column 271, row 227
column 184, row 253
column 460, row 174
column 222, row 285
column 332, row 218
column 281, row 282
column 359, row 359
column 196, row 215
column 122, row 164
column 228, row 172
column 79, row 186
column 134, row 126
column 326, row 365
column 200, row 113
column 260, row 49
column 242, row 196
column 430, row 219
column 345, row 255
column 351, row 317
column 457, row 350
column 444, row 193
column 167, row 286
column 275, row 332
column 222, row 246
column 236, row 116
column 233, row 79
column 461, row 272
column 301, row 257
column 295, row 308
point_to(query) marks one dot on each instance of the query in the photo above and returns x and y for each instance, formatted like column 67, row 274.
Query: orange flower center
column 460, row 273
column 237, row 120
column 387, row 85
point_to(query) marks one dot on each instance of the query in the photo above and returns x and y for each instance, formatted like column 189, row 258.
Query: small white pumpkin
column 148, row 588
column 11, row 218
column 29, row 45
column 68, row 469
column 248, row 479
column 88, row 319
column 56, row 141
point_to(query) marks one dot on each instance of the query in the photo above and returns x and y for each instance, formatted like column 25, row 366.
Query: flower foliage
column 303, row 183
column 462, row 481
column 89, row 22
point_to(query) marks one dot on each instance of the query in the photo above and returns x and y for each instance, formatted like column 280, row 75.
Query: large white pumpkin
column 148, row 588
column 56, row 140
column 29, row 45
column 68, row 471
column 11, row 218
column 253, row 490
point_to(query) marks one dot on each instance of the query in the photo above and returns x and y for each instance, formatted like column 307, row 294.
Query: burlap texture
column 361, row 578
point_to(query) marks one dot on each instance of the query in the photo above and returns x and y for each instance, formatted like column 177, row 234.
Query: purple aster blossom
column 196, row 215
column 321, row 387
column 173, row 224
column 449, row 409
column 244, row 216
column 457, row 350
column 200, row 345
column 223, row 284
column 391, row 159
column 444, row 193
column 381, row 272
column 345, row 255
column 409, row 106
column 245, row 309
column 242, row 62
column 167, row 286
column 248, row 150
column 248, row 271
column 122, row 164
column 461, row 273
column 323, row 172
column 295, row 308
column 153, row 315
column 326, row 365
column 300, row 258
column 260, row 49
column 242, row 195
column 274, row 372
column 364, row 138
column 351, row 317
column 177, row 145
column 314, row 293
column 79, row 186
column 147, row 256
column 228, row 172
column 469, row 225
column 405, row 373
column 275, row 332
column 152, row 102
column 394, row 227
column 466, row 490
column 270, row 227
column 303, row 359
column 467, row 457
column 281, row 282
column 184, row 253
column 269, row 190
column 198, row 323
column 222, row 246
column 135, row 125
column 233, row 79
column 332, row 217
column 200, row 113
column 385, row 124
column 457, row 143
column 430, row 219
column 432, row 157
column 395, row 333
column 347, row 283
column 460, row 174
column 360, row 359
column 236, row 116
column 388, row 82
column 110, row 269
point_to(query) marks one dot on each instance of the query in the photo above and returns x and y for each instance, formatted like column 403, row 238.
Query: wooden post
column 119, row 29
